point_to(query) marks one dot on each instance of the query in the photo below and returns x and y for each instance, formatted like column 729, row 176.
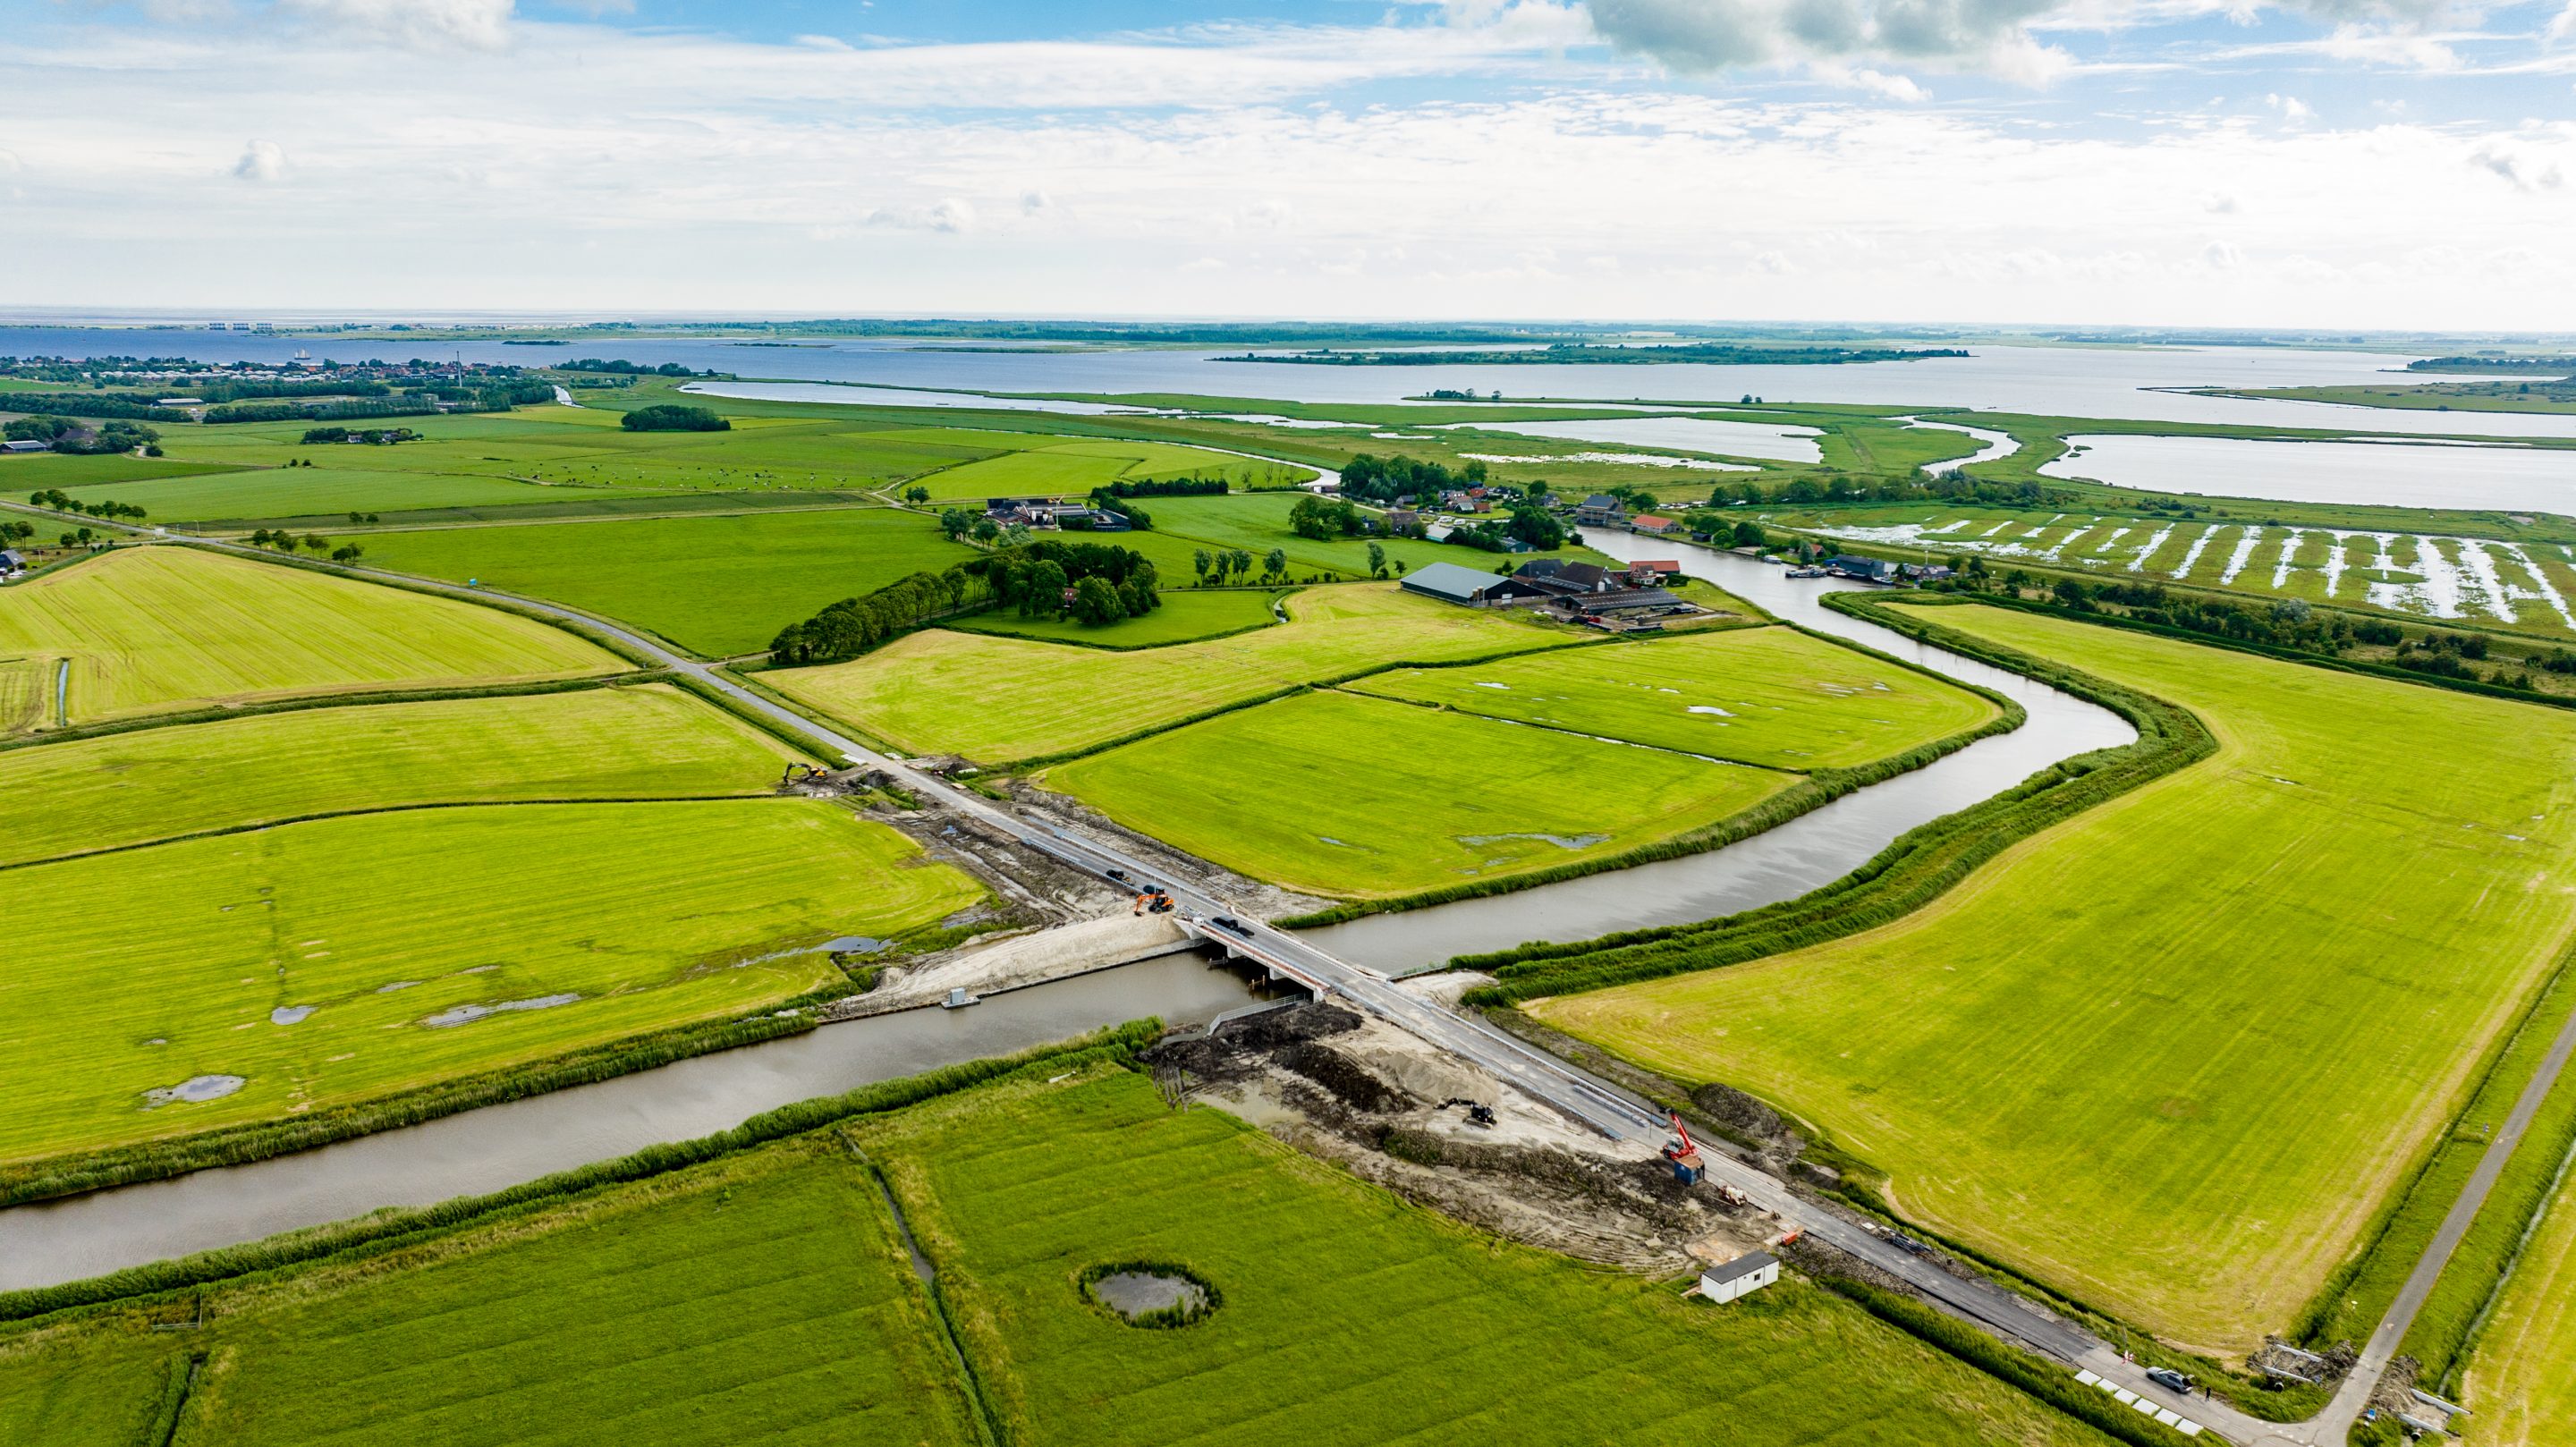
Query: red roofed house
column 1646, row 522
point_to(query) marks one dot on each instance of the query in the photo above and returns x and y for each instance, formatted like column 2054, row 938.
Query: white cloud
column 412, row 24
column 2292, row 109
column 949, row 215
column 2222, row 256
column 8, row 162
column 2517, row 169
column 263, row 162
column 2218, row 203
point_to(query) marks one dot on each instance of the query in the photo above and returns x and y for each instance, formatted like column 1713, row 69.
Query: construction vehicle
column 1683, row 1152
column 1162, row 902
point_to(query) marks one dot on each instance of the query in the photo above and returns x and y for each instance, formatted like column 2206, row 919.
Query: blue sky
column 2335, row 163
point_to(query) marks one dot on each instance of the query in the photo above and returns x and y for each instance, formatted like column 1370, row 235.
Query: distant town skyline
column 2360, row 164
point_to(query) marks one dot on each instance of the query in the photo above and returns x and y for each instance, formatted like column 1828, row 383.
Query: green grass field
column 1186, row 616
column 766, row 1297
column 999, row 699
column 1770, row 696
column 158, row 628
column 720, row 585
column 2174, row 1054
column 162, row 964
column 650, row 742
column 2522, row 1381
column 1351, row 1317
column 277, row 492
column 1337, row 794
column 1047, row 466
column 759, row 1298
column 1258, row 522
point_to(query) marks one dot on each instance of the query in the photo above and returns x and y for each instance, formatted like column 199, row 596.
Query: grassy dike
column 1917, row 868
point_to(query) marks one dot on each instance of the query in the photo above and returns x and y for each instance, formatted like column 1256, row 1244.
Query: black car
column 2170, row 1379
column 1231, row 925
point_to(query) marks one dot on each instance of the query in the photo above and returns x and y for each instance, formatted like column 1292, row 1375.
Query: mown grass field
column 156, row 628
column 765, row 1297
column 1258, row 522
column 1334, row 793
column 161, row 964
column 2522, row 1381
column 1047, row 466
column 649, row 742
column 1186, row 616
column 279, row 492
column 720, row 585
column 999, row 699
column 759, row 1298
column 2175, row 1053
column 1350, row 1316
column 1771, row 696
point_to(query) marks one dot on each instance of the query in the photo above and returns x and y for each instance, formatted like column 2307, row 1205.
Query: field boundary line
column 263, row 825
column 305, row 703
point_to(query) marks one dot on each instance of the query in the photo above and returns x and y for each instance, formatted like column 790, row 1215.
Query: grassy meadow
column 1056, row 466
column 1770, row 696
column 720, row 585
column 762, row 1297
column 1338, row 794
column 648, row 742
column 999, row 699
column 2522, row 1381
column 766, row 1296
column 1258, row 522
column 1187, row 615
column 322, row 490
column 162, row 964
column 2173, row 1054
column 152, row 629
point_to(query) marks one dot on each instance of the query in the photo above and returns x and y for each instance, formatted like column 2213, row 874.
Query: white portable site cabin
column 1740, row 1277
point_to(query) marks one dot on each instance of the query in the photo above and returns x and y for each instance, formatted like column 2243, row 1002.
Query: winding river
column 486, row 1150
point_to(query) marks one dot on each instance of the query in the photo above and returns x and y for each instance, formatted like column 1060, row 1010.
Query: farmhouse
column 10, row 562
column 1654, row 525
column 1451, row 583
column 1740, row 1277
column 1646, row 572
column 1600, row 508
column 1868, row 570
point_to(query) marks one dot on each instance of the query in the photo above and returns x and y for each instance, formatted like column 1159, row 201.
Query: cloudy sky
column 2330, row 163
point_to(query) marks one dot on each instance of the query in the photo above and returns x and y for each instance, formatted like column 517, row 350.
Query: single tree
column 1096, row 603
column 916, row 493
column 1377, row 561
column 1275, row 564
column 1203, row 560
column 347, row 553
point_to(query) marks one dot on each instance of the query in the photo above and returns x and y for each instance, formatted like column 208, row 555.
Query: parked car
column 2170, row 1380
column 1231, row 925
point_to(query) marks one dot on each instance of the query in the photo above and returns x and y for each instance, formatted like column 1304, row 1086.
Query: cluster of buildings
column 1629, row 598
column 11, row 563
column 1601, row 510
column 1053, row 512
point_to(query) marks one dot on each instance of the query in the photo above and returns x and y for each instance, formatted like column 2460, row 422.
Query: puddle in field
column 196, row 1088
column 396, row 985
column 1132, row 1294
column 1710, row 708
column 464, row 1014
column 289, row 1014
column 853, row 945
column 1561, row 841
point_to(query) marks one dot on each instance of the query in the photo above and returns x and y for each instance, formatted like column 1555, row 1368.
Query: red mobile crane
column 1683, row 1152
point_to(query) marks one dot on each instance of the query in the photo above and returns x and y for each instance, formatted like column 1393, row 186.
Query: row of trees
column 372, row 436
column 314, row 543
column 91, row 404
column 672, row 417
column 1216, row 565
column 61, row 501
column 851, row 626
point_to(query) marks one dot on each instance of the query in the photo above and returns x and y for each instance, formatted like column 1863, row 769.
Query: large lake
column 2060, row 381
column 2397, row 474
